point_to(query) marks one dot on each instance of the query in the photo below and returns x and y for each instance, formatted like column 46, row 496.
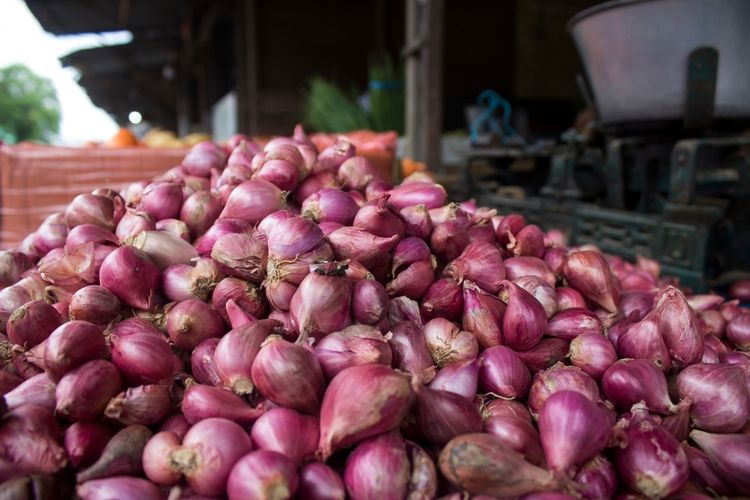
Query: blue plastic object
column 490, row 101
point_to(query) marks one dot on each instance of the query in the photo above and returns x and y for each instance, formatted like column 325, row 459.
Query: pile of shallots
column 278, row 322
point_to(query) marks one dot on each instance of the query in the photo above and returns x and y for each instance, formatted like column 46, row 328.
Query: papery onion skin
column 192, row 321
column 482, row 315
column 629, row 381
column 245, row 294
column 448, row 344
column 318, row 481
column 94, row 304
column 262, row 474
column 481, row 263
column 32, row 323
column 503, row 373
column 354, row 345
column 410, row 351
column 730, row 456
column 241, row 255
column 592, row 353
column 361, row 402
column 559, row 378
column 378, row 468
column 83, row 393
column 719, row 396
column 482, row 465
column 572, row 430
column 570, row 323
column 679, row 327
column 146, row 405
column 289, row 375
column 30, row 439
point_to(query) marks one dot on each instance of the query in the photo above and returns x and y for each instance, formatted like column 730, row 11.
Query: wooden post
column 247, row 63
column 424, row 80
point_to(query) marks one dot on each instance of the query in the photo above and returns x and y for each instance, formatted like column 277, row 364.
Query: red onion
column 679, row 327
column 357, row 244
column 12, row 265
column 317, row 481
column 330, row 205
column 314, row 183
column 292, row 237
column 413, row 281
column 9, row 381
column 237, row 315
column 289, row 375
column 449, row 239
column 361, row 402
column 642, row 340
column 718, row 394
column 357, row 172
column 200, row 210
column 183, row 282
column 380, row 219
column 592, row 353
column 321, row 304
column 245, row 295
column 90, row 233
column 418, row 193
column 702, row 470
column 51, row 233
column 729, row 455
column 141, row 353
column 738, row 331
column 404, row 309
column 482, row 315
column 202, row 158
column 545, row 354
column 262, row 474
column 94, row 304
column 293, row 270
column 570, row 323
column 205, row 243
column 131, row 276
column 175, row 227
column 164, row 249
column 83, row 393
column 588, row 272
column 191, row 321
column 460, row 378
column 629, row 381
column 11, row 298
column 132, row 223
column 234, row 355
column 38, row 390
column 572, row 430
column 529, row 242
column 162, row 200
column 503, row 373
column 369, row 302
column 714, row 323
column 482, row 464
column 378, row 468
column 561, row 378
column 29, row 439
column 417, row 221
column 596, row 479
column 162, row 458
column 287, row 432
column 71, row 345
column 202, row 363
column 447, row 343
column 281, row 166
column 678, row 424
column 518, row 267
column 524, row 321
column 555, row 258
column 639, row 302
column 518, row 434
column 740, row 290
column 541, row 291
column 481, row 263
column 731, row 309
column 177, row 424
column 444, row 299
column 85, row 441
column 73, row 266
column 145, row 404
column 201, row 402
column 376, row 189
column 649, row 460
column 120, row 487
column 32, row 323
column 410, row 352
column 508, row 226
column 354, row 345
column 253, row 200
column 92, row 209
column 408, row 251
column 334, row 155
column 209, row 452
column 443, row 415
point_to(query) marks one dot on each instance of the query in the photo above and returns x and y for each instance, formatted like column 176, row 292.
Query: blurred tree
column 29, row 109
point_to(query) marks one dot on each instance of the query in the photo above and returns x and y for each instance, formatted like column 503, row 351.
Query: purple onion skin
column 502, row 372
column 443, row 415
column 318, row 481
column 119, row 487
column 287, row 432
column 32, row 323
column 572, row 430
column 703, row 471
column 83, row 393
column 378, row 468
column 460, row 378
column 561, row 378
column 592, row 353
column 131, row 276
column 596, row 479
column 629, row 381
column 730, row 456
column 546, row 354
column 85, row 441
column 649, row 459
column 262, row 474
column 519, row 434
column 369, row 302
column 719, row 396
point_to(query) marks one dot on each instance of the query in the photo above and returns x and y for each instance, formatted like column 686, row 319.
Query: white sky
column 22, row 40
